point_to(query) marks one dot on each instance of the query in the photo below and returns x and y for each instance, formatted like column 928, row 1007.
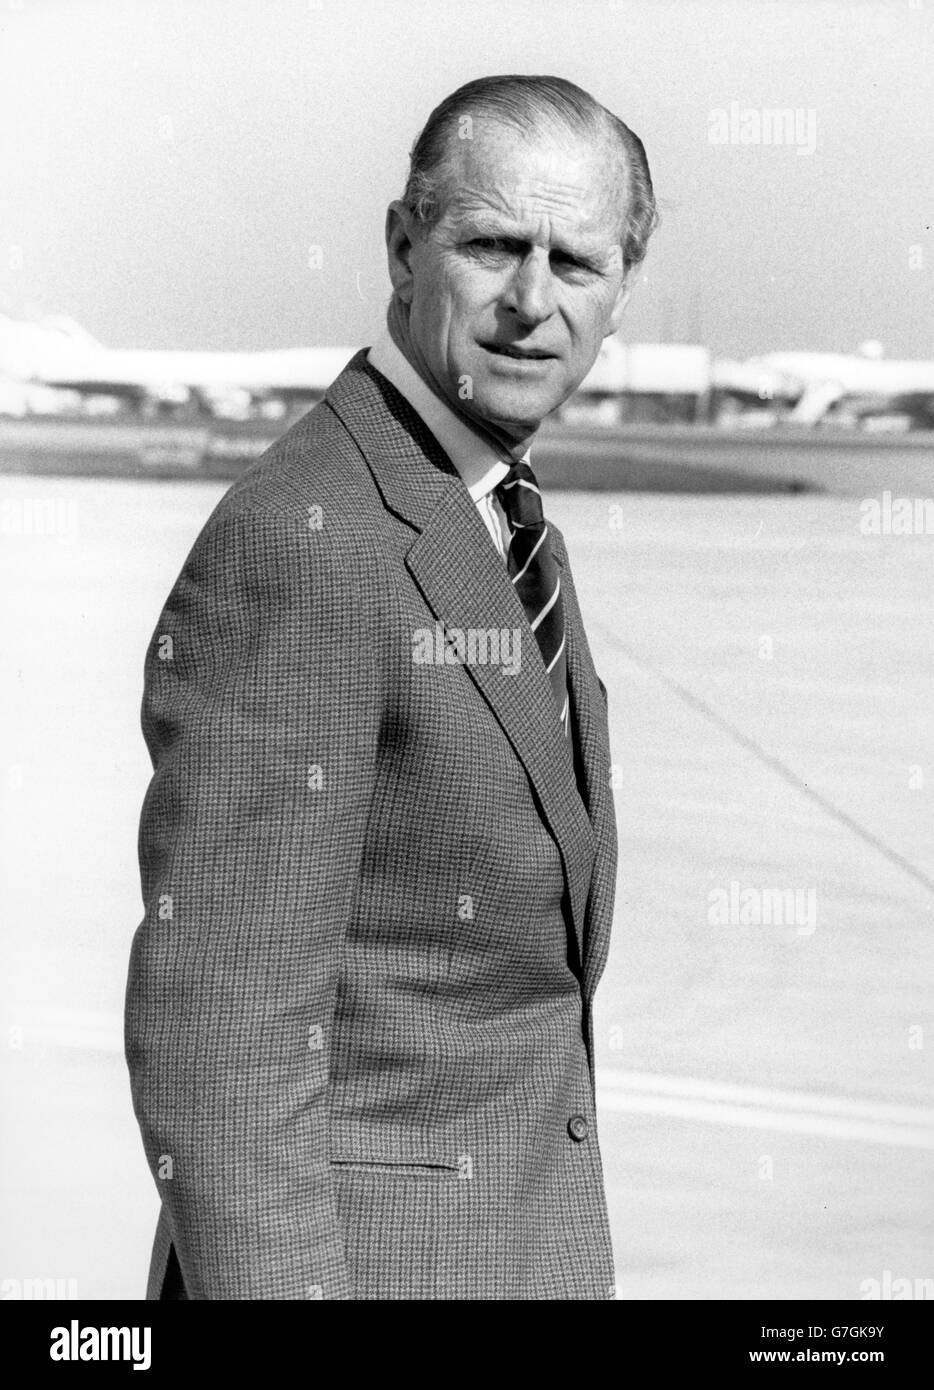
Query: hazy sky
column 167, row 165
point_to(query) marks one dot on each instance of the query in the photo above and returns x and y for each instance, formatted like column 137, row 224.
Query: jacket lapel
column 462, row 579
column 583, row 685
column 590, row 722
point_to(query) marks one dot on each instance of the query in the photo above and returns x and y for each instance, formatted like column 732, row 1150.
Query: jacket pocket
column 414, row 1168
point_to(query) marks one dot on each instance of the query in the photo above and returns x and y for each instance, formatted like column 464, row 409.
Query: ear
column 622, row 299
column 399, row 234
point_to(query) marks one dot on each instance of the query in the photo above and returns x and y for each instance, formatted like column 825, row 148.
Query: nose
column 530, row 292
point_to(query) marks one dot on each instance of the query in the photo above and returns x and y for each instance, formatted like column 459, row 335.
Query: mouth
column 517, row 353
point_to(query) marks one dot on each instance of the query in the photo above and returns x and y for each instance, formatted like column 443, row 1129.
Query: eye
column 567, row 261
column 488, row 243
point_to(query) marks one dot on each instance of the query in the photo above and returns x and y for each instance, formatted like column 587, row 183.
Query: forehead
column 554, row 179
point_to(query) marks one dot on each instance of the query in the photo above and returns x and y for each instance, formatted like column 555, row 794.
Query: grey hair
column 523, row 102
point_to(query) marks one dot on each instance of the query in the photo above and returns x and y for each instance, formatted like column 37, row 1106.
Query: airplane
column 826, row 379
column 58, row 352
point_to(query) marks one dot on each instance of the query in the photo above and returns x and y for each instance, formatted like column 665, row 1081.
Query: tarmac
column 765, row 1085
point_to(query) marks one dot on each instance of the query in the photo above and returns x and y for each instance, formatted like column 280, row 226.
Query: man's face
column 512, row 291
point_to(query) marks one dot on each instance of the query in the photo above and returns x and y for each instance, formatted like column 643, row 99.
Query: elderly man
column 378, row 850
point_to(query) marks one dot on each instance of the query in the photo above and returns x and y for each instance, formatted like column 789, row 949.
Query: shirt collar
column 480, row 463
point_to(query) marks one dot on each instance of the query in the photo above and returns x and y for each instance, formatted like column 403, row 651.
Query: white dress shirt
column 479, row 462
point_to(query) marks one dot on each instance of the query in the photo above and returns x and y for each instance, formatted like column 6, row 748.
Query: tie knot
column 520, row 496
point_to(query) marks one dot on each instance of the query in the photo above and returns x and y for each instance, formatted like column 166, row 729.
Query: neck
column 514, row 444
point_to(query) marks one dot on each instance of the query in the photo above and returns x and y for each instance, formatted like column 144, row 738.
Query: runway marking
column 782, row 769
column 752, row 1107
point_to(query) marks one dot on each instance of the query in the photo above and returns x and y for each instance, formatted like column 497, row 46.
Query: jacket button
column 577, row 1127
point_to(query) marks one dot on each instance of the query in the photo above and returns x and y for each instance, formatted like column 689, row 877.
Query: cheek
column 442, row 301
column 589, row 317
column 469, row 291
column 464, row 313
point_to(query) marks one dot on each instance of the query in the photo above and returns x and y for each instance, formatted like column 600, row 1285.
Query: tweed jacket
column 378, row 889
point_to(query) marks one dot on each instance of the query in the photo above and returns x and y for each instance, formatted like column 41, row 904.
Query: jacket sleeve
column 261, row 710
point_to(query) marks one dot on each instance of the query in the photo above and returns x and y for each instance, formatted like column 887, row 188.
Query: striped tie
column 535, row 573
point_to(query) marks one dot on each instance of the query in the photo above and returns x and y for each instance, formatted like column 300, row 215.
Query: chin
column 512, row 409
